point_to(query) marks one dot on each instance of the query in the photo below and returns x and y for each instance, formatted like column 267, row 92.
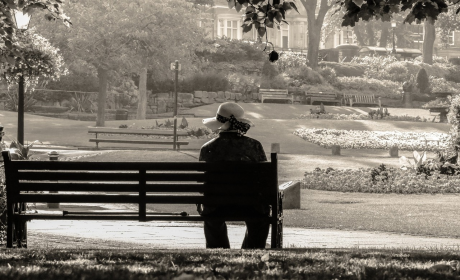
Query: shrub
column 277, row 82
column 423, row 83
column 328, row 74
column 269, row 70
column 344, row 69
column 207, row 81
column 381, row 180
column 243, row 83
column 303, row 75
column 397, row 72
column 454, row 60
column 454, row 74
column 441, row 85
column 368, row 85
column 291, row 60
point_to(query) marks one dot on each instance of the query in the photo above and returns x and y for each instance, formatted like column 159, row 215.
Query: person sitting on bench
column 232, row 145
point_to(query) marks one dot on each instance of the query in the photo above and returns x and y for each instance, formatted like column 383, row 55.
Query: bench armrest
column 291, row 195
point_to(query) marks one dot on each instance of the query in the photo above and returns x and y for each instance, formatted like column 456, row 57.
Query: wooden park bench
column 361, row 99
column 141, row 183
column 137, row 132
column 329, row 97
column 277, row 94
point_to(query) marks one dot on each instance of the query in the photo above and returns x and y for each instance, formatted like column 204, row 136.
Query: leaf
column 404, row 161
column 265, row 258
column 238, row 7
column 269, row 23
column 294, row 6
column 261, row 31
column 279, row 16
column 286, row 6
column 416, row 157
column 247, row 27
column 250, row 9
column 231, row 4
column 358, row 3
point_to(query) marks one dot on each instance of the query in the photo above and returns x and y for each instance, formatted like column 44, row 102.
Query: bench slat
column 150, row 188
column 158, row 199
column 127, row 166
column 134, row 141
column 136, row 131
column 136, row 217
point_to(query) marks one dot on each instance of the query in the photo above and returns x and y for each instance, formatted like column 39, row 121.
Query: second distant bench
column 138, row 132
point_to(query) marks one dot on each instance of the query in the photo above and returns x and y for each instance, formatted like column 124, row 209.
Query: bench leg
column 16, row 235
column 277, row 226
column 9, row 225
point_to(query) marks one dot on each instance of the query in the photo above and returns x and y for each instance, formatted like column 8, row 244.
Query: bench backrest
column 322, row 94
column 361, row 98
column 142, row 182
column 273, row 91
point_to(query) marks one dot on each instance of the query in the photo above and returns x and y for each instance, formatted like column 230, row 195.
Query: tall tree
column 315, row 19
column 156, row 44
column 118, row 37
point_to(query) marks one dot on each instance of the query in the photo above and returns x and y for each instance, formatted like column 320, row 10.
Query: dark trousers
column 216, row 233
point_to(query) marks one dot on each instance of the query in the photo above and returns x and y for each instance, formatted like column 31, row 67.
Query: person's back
column 232, row 145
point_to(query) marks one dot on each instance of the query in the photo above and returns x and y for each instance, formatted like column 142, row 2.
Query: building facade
column 220, row 21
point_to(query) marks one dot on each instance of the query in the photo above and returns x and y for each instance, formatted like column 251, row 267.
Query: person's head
column 229, row 116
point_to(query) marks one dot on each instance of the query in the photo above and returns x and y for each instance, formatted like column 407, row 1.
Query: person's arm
column 261, row 156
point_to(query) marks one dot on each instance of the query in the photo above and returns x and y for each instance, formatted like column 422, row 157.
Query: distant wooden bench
column 141, row 132
column 361, row 99
column 142, row 183
column 276, row 94
column 432, row 139
column 329, row 97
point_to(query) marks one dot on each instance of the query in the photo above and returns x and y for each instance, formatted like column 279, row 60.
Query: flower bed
column 362, row 139
column 392, row 181
column 353, row 117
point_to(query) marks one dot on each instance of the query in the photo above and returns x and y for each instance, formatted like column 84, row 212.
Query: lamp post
column 21, row 21
column 393, row 25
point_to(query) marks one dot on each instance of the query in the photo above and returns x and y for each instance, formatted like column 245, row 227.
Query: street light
column 21, row 21
column 393, row 24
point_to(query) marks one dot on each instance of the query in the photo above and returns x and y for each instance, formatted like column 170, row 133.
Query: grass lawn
column 228, row 264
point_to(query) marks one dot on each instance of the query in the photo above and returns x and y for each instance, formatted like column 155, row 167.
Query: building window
column 450, row 38
column 346, row 37
column 284, row 36
column 228, row 28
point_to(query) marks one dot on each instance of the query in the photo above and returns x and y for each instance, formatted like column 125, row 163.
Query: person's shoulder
column 252, row 140
column 209, row 143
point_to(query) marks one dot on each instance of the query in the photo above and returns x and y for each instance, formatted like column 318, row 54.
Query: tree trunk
column 142, row 100
column 384, row 35
column 102, row 97
column 315, row 22
column 370, row 33
column 428, row 42
column 314, row 34
column 359, row 36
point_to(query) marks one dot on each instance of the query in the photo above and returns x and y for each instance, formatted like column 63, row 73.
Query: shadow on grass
column 228, row 264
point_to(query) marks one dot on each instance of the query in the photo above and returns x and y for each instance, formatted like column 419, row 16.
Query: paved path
column 176, row 235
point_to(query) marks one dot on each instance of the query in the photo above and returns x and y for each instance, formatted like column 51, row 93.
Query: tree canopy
column 270, row 13
column 8, row 29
